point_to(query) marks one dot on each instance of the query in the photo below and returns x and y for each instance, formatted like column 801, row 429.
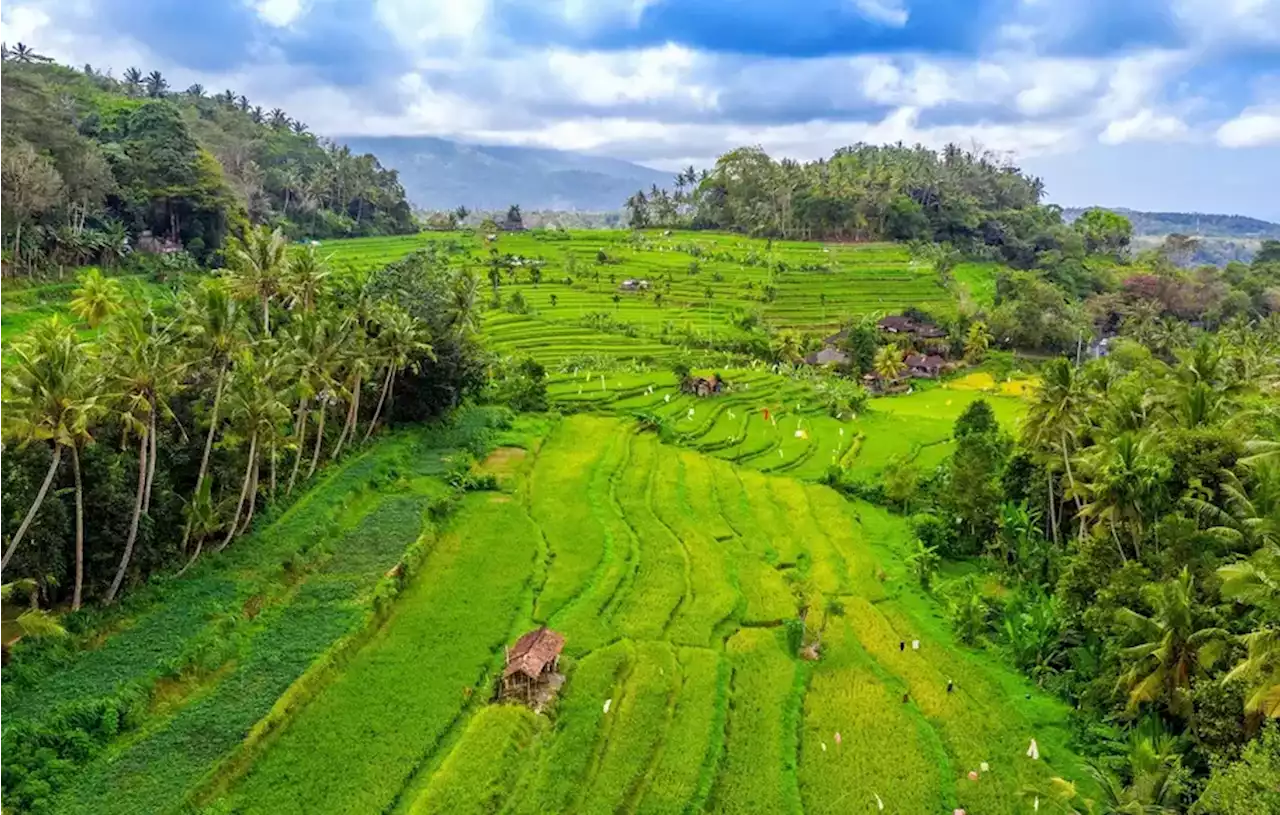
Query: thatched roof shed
column 534, row 653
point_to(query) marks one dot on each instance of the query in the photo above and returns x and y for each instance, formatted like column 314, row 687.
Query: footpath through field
column 677, row 579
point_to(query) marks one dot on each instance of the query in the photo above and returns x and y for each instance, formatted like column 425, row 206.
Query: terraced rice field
column 799, row 436
column 699, row 283
column 672, row 575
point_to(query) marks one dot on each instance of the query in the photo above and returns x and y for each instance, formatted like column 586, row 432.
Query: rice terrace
column 865, row 484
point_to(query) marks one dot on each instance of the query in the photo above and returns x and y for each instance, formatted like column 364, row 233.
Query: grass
column 478, row 775
column 355, row 745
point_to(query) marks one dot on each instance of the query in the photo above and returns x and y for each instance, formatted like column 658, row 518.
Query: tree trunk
column 208, row 445
column 353, row 416
column 133, row 525
column 301, row 421
column 151, row 463
column 253, row 497
column 315, row 452
column 266, row 316
column 35, row 506
column 1116, row 537
column 1053, row 518
column 244, row 490
column 386, row 386
column 75, row 468
column 273, row 471
column 1071, row 479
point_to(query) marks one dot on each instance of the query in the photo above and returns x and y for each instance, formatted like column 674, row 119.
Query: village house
column 701, row 386
column 533, row 665
column 828, row 355
column 924, row 366
column 906, row 325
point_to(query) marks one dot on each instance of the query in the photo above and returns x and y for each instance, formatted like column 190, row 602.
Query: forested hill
column 92, row 161
column 440, row 174
column 1191, row 223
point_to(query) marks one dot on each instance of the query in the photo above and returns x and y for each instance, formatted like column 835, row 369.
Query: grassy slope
column 705, row 711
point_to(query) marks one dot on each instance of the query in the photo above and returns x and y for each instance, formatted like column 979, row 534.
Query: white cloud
column 887, row 12
column 1145, row 125
column 1252, row 128
column 279, row 13
column 22, row 24
column 1231, row 21
column 418, row 23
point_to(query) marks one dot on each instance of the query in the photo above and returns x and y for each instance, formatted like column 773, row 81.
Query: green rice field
column 672, row 575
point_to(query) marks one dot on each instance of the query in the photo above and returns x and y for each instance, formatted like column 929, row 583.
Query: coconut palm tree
column 214, row 327
column 132, row 81
column 299, row 128
column 888, row 363
column 313, row 349
column 195, row 91
column 278, row 118
column 1053, row 422
column 114, row 243
column 51, row 398
column 399, row 344
column 1124, row 486
column 257, row 267
column 1248, row 515
column 97, row 298
column 1173, row 650
column 143, row 371
column 1256, row 582
column 977, row 341
column 24, row 54
column 257, row 115
column 156, row 84
column 257, row 410
column 308, row 272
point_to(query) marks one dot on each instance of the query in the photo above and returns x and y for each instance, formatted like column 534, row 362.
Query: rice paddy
column 678, row 580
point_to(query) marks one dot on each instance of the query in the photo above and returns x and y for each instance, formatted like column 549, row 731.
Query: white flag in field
column 667, row 398
column 1034, row 751
column 607, row 704
column 879, row 803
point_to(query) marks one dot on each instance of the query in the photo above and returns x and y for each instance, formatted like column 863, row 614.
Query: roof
column 827, row 356
column 896, row 323
column 533, row 651
column 839, row 336
column 900, row 324
column 927, row 362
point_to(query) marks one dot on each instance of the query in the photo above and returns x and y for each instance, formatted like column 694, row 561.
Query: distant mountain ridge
column 1199, row 224
column 443, row 174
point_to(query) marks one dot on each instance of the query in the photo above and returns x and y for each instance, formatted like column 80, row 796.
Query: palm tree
column 313, row 348
column 1248, row 516
column 1125, row 485
column 143, row 372
column 400, row 343
column 256, row 410
column 278, row 118
column 257, row 267
column 888, row 363
column 214, row 327
column 1256, row 582
column 257, row 115
column 156, row 85
column 786, row 346
column 114, row 243
column 977, row 341
column 24, row 54
column 464, row 305
column 306, row 278
column 132, row 81
column 242, row 102
column 51, row 398
column 1053, row 421
column 97, row 298
column 299, row 128
column 1173, row 650
column 195, row 91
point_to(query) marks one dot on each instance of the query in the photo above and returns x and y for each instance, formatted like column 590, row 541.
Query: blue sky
column 1152, row 104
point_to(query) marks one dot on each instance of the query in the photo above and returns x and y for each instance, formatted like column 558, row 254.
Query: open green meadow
column 673, row 576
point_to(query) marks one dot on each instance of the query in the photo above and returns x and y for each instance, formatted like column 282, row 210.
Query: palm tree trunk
column 386, row 386
column 1053, row 518
column 353, row 416
column 301, row 421
column 1116, row 537
column 315, row 452
column 244, row 490
column 35, row 508
column 253, row 497
column 151, row 463
column 75, row 468
column 266, row 316
column 1071, row 479
column 273, row 471
column 208, row 445
column 133, row 525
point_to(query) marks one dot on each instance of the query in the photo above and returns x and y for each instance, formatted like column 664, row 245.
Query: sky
column 1164, row 105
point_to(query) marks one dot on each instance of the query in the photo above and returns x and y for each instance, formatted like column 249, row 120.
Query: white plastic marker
column 732, row 415
column 779, row 452
column 915, row 645
column 1036, row 806
column 667, row 398
column 690, row 413
column 842, row 431
column 1034, row 751
column 879, row 803
column 984, row 767
column 607, row 704
column 824, row 747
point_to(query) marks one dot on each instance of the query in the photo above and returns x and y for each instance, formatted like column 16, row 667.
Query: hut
column 925, row 367
column 828, row 355
column 531, row 664
column 702, row 386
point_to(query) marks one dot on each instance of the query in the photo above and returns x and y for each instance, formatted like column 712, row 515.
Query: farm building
column 702, row 386
column 634, row 285
column 906, row 325
column 532, row 664
column 829, row 355
column 926, row 367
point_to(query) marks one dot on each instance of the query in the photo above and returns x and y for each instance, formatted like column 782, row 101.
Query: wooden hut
column 530, row 664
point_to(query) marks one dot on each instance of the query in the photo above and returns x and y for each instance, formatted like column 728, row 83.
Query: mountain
column 441, row 174
column 1221, row 238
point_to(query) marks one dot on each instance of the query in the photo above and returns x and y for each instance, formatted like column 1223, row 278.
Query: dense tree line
column 1134, row 522
column 90, row 162
column 162, row 436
